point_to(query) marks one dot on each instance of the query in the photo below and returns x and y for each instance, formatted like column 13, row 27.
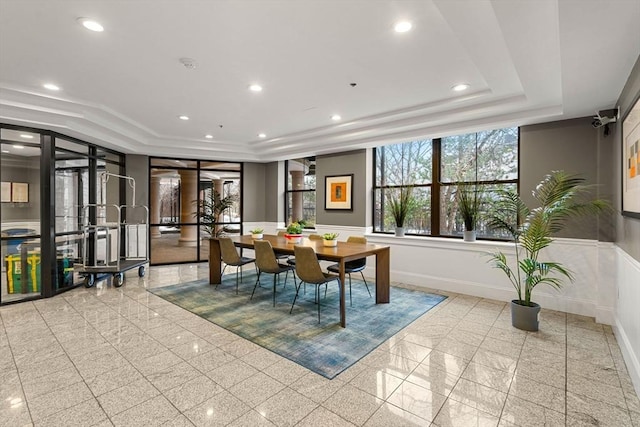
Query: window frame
column 435, row 186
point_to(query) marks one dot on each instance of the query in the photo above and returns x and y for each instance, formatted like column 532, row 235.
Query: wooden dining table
column 343, row 252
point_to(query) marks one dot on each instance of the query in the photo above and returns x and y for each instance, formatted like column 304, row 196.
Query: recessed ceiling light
column 5, row 151
column 402, row 26
column 255, row 88
column 19, row 147
column 335, row 117
column 209, row 136
column 183, row 117
column 51, row 86
column 90, row 24
column 460, row 87
column 26, row 136
column 262, row 135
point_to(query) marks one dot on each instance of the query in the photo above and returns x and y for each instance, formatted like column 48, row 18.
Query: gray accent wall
column 254, row 197
column 22, row 169
column 353, row 162
column 274, row 190
column 627, row 228
column 575, row 147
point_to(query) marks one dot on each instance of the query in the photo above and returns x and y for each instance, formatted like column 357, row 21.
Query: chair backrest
column 281, row 233
column 265, row 257
column 228, row 251
column 315, row 237
column 357, row 263
column 307, row 265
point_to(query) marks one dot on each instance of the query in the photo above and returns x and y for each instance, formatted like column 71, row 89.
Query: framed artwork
column 631, row 161
column 338, row 192
column 6, row 191
column 19, row 192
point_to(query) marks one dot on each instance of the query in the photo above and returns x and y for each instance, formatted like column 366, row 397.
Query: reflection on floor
column 123, row 356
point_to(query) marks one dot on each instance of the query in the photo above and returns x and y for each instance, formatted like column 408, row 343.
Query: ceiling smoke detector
column 188, row 63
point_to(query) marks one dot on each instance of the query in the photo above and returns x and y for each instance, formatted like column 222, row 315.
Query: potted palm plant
column 210, row 211
column 469, row 204
column 560, row 196
column 330, row 239
column 400, row 203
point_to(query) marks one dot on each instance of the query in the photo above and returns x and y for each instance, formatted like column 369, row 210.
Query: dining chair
column 266, row 262
column 230, row 256
column 309, row 271
column 354, row 266
column 292, row 261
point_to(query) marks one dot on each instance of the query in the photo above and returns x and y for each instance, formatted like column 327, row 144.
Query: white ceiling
column 527, row 61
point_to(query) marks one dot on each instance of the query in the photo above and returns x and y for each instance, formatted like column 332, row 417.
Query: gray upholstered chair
column 354, row 266
column 309, row 271
column 266, row 262
column 230, row 256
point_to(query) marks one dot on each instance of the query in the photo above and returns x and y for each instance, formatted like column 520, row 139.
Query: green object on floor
column 17, row 282
column 325, row 347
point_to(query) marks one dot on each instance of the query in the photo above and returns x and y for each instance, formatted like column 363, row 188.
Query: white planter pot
column 330, row 242
column 293, row 238
column 257, row 236
column 469, row 236
column 399, row 231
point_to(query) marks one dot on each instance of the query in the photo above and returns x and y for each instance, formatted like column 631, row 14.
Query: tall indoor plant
column 469, row 203
column 210, row 211
column 560, row 196
column 400, row 203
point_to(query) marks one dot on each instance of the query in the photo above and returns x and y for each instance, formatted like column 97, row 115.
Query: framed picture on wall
column 19, row 192
column 631, row 161
column 6, row 191
column 338, row 192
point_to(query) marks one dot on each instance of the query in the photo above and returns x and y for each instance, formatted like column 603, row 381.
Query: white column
column 188, row 197
column 297, row 181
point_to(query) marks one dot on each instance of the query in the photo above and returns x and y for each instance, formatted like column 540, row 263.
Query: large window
column 435, row 169
column 301, row 191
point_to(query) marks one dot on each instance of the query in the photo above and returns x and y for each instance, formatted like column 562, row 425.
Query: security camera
column 604, row 117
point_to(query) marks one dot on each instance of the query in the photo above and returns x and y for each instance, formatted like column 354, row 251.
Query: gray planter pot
column 525, row 317
column 469, row 236
column 399, row 231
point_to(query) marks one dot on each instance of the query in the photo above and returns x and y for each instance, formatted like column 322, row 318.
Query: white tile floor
column 122, row 356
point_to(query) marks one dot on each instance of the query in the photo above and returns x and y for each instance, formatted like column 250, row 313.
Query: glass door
column 20, row 215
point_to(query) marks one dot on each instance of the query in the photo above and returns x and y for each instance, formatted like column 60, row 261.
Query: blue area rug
column 325, row 347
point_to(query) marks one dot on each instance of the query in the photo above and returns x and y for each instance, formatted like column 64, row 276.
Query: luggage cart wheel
column 141, row 271
column 118, row 280
column 89, row 280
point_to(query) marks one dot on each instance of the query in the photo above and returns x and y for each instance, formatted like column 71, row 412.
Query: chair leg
column 221, row 275
column 318, row 291
column 296, row 297
column 274, row 287
column 350, row 300
column 256, row 285
column 365, row 283
column 237, row 280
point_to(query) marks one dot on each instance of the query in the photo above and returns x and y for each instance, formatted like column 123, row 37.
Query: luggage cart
column 102, row 251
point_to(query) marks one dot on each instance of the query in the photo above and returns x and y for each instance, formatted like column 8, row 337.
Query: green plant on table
column 256, row 231
column 294, row 228
column 330, row 236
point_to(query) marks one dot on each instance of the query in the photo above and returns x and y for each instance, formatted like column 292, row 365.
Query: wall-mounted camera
column 604, row 117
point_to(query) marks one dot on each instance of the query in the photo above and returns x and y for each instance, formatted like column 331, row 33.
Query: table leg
column 215, row 261
column 343, row 316
column 382, row 276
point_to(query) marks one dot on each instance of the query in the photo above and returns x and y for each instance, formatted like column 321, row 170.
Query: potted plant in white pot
column 560, row 196
column 400, row 203
column 469, row 203
column 257, row 233
column 294, row 233
column 330, row 239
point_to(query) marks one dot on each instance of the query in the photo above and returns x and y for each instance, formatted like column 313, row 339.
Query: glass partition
column 20, row 213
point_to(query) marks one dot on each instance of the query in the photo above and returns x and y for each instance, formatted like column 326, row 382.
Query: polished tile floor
column 122, row 356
